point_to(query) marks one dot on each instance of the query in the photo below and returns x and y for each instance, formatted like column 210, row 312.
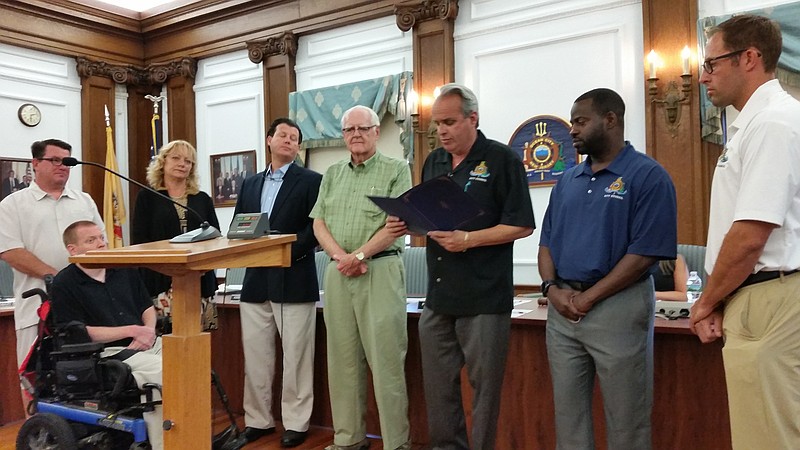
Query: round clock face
column 29, row 115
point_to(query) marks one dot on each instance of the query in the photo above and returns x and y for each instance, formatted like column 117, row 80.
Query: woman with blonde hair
column 173, row 173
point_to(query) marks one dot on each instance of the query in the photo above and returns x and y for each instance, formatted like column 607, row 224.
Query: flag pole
column 156, row 135
column 113, row 202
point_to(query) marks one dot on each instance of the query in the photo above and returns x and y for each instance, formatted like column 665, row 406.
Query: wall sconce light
column 413, row 102
column 672, row 98
column 412, row 105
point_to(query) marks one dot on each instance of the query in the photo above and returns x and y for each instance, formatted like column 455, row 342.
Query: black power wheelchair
column 79, row 400
column 83, row 401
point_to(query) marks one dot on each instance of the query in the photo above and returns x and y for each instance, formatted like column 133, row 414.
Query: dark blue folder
column 437, row 204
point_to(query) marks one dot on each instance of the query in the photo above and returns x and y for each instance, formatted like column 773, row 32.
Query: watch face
column 29, row 115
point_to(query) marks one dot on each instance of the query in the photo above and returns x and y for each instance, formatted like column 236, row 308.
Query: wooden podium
column 187, row 351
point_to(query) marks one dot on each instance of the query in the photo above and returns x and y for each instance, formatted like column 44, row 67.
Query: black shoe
column 293, row 438
column 252, row 434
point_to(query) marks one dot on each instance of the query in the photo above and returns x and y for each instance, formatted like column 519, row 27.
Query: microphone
column 204, row 233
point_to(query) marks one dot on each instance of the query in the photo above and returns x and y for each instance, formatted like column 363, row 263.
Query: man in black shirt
column 116, row 309
column 467, row 315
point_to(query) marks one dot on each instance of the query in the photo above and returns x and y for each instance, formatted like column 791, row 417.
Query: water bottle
column 694, row 286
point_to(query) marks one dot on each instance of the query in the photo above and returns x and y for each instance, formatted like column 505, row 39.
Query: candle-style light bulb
column 412, row 102
column 685, row 55
column 652, row 59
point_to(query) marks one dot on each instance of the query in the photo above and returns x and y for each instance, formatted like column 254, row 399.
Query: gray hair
column 374, row 120
column 469, row 102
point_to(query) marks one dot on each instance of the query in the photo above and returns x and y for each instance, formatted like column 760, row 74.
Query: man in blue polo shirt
column 610, row 219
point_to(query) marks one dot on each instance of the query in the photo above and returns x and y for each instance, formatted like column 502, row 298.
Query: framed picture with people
column 16, row 173
column 228, row 171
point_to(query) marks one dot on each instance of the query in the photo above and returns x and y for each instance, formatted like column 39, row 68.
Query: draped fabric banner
column 318, row 112
column 788, row 16
column 113, row 203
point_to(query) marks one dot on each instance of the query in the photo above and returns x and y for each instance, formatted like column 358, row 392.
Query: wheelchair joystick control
column 167, row 425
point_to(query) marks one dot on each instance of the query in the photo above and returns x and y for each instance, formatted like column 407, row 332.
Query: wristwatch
column 360, row 256
column 546, row 286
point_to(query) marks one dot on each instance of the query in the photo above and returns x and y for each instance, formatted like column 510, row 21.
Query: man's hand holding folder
column 438, row 204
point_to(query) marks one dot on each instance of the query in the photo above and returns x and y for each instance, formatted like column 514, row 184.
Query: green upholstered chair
column 695, row 256
column 6, row 280
column 416, row 271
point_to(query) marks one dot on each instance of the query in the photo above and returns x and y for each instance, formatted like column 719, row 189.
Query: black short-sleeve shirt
column 480, row 280
column 119, row 301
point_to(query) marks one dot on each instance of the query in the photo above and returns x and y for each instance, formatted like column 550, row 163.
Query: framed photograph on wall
column 228, row 171
column 16, row 174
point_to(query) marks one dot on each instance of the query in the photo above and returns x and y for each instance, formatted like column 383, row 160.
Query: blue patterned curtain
column 788, row 16
column 318, row 112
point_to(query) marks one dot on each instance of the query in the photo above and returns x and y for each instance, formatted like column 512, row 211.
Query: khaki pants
column 762, row 364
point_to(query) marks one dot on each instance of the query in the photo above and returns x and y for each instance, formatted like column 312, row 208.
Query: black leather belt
column 384, row 253
column 578, row 285
column 760, row 277
column 585, row 286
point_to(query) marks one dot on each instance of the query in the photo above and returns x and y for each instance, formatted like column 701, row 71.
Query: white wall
column 529, row 57
column 353, row 53
column 50, row 82
column 229, row 97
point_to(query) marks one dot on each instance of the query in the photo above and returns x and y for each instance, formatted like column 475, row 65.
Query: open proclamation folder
column 437, row 204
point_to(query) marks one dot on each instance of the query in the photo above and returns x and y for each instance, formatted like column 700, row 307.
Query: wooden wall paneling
column 140, row 113
column 434, row 65
column 96, row 92
column 181, row 109
column 67, row 28
column 668, row 27
column 10, row 399
column 208, row 29
column 277, row 55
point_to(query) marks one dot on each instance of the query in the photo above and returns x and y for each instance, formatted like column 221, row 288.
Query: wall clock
column 29, row 115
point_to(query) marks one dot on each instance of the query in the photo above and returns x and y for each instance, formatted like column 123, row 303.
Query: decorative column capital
column 138, row 76
column 409, row 13
column 284, row 44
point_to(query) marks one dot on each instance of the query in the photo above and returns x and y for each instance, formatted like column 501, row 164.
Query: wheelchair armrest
column 87, row 348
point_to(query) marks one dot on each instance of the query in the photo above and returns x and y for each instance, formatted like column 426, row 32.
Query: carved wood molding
column 409, row 13
column 138, row 76
column 283, row 44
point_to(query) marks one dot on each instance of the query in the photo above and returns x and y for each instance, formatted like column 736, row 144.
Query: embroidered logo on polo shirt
column 479, row 173
column 616, row 189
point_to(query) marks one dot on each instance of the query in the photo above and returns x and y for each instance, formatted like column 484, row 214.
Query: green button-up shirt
column 351, row 217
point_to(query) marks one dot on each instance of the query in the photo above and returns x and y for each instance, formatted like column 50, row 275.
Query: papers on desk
column 7, row 302
column 519, row 312
column 229, row 289
column 437, row 204
column 415, row 304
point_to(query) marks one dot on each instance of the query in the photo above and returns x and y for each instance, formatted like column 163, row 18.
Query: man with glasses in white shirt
column 753, row 249
column 32, row 222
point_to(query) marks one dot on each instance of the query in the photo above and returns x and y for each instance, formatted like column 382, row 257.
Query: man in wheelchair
column 116, row 310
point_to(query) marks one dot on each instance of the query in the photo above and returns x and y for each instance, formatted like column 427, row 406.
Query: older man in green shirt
column 365, row 294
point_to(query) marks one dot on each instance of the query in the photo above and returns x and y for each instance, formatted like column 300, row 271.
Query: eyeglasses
column 708, row 65
column 53, row 161
column 362, row 130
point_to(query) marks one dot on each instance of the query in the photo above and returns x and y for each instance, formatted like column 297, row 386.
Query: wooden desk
column 690, row 409
column 10, row 399
column 187, row 351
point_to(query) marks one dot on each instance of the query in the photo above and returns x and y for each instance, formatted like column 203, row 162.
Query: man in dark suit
column 10, row 184
column 281, row 299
